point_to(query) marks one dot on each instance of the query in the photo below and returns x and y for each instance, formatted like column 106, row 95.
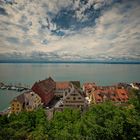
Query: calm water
column 27, row 74
column 6, row 97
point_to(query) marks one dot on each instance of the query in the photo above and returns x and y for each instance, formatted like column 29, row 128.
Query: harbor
column 15, row 87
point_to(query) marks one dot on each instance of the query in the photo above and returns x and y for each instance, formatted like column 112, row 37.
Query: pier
column 16, row 87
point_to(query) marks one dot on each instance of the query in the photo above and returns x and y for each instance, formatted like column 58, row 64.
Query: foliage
column 104, row 121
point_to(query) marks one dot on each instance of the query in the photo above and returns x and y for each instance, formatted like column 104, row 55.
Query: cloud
column 108, row 30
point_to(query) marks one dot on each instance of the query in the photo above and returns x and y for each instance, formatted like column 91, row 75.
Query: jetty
column 16, row 87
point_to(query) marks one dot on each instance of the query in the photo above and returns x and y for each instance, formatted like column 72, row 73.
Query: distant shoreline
column 72, row 62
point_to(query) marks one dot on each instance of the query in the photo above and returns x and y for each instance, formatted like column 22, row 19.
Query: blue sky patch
column 13, row 40
column 3, row 12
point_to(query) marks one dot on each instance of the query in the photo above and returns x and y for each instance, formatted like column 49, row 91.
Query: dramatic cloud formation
column 79, row 30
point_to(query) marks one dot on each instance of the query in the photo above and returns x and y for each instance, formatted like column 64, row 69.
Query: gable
column 75, row 96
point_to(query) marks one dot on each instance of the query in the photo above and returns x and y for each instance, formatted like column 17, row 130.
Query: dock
column 16, row 87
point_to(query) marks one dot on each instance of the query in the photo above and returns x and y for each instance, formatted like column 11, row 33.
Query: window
column 113, row 94
column 89, row 91
column 119, row 99
column 79, row 98
column 74, row 98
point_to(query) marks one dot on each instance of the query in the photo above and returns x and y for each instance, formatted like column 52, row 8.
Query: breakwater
column 17, row 87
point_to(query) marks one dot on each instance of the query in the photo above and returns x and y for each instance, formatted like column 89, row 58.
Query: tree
column 102, row 121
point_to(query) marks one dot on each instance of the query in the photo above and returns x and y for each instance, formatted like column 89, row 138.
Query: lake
column 29, row 73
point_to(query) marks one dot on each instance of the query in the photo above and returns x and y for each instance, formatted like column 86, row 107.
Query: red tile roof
column 89, row 86
column 45, row 89
column 62, row 85
column 122, row 94
column 115, row 95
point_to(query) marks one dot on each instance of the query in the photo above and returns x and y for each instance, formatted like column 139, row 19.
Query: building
column 32, row 101
column 17, row 104
column 124, row 85
column 45, row 89
column 88, row 89
column 74, row 98
column 115, row 95
column 135, row 86
column 61, row 88
column 76, row 83
column 27, row 101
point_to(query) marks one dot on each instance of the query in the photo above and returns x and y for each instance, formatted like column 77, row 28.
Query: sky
column 70, row 30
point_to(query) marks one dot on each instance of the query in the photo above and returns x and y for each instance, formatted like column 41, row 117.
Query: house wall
column 74, row 99
column 29, row 108
column 61, row 92
column 16, row 107
column 37, row 101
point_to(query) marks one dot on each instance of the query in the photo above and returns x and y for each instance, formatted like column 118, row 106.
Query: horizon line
column 70, row 62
